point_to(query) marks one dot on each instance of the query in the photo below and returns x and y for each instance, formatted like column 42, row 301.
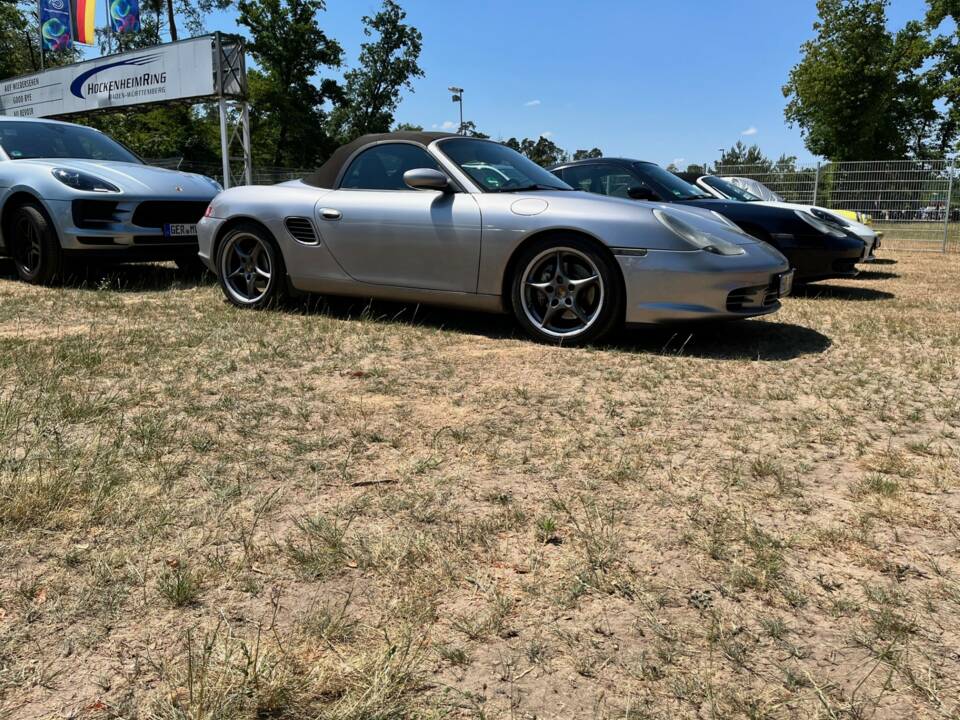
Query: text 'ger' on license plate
column 180, row 230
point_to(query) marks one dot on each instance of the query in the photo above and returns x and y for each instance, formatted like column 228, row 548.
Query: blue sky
column 638, row 78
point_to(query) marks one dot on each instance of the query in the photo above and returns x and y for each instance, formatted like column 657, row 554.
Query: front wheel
column 250, row 268
column 35, row 248
column 566, row 291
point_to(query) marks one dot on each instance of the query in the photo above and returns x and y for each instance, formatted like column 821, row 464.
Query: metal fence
column 261, row 175
column 914, row 203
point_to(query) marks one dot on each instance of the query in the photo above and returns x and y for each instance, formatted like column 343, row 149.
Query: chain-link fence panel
column 912, row 202
column 790, row 183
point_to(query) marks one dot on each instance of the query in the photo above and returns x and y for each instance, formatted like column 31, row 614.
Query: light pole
column 458, row 98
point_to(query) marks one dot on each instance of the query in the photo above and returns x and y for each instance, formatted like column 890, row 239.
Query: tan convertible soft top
column 326, row 175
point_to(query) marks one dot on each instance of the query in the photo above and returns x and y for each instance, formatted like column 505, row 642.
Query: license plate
column 180, row 230
column 786, row 284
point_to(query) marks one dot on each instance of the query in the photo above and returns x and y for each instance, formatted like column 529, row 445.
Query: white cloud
column 531, row 103
column 750, row 131
column 678, row 162
column 448, row 125
column 547, row 134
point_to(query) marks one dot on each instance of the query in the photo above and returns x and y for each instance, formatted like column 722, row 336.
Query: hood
column 853, row 226
column 579, row 205
column 136, row 179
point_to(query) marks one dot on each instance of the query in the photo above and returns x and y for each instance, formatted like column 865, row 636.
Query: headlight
column 829, row 218
column 819, row 225
column 698, row 238
column 83, row 181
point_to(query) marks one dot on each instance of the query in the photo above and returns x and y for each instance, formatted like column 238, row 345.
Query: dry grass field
column 338, row 511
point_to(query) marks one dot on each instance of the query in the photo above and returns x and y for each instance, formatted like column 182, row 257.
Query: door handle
column 330, row 214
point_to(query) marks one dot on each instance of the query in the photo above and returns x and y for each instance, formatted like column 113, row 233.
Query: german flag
column 84, row 11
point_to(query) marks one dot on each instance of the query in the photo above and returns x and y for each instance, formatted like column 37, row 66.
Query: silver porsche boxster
column 452, row 220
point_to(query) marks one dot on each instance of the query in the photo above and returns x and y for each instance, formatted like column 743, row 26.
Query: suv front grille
column 157, row 213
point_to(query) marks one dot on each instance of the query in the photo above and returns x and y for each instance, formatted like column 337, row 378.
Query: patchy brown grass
column 385, row 512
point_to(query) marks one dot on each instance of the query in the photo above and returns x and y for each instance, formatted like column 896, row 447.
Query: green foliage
column 288, row 120
column 588, row 154
column 542, row 151
column 856, row 93
column 387, row 66
column 20, row 41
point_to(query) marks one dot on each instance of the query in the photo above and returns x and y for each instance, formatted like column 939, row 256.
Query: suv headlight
column 695, row 237
column 819, row 225
column 829, row 218
column 83, row 181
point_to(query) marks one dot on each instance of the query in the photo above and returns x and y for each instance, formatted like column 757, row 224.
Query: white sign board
column 176, row 71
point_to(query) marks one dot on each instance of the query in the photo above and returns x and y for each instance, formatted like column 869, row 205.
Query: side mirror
column 427, row 179
column 642, row 193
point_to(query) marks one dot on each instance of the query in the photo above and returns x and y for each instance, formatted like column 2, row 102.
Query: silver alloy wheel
column 27, row 249
column 246, row 268
column 562, row 292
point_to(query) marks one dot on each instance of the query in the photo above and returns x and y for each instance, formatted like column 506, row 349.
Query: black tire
column 191, row 265
column 244, row 284
column 583, row 311
column 34, row 246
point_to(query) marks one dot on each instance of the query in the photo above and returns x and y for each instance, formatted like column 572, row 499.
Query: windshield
column 497, row 168
column 30, row 140
column 729, row 189
column 666, row 184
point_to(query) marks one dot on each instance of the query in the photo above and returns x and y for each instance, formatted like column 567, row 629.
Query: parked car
column 68, row 191
column 470, row 223
column 729, row 189
column 815, row 249
column 755, row 187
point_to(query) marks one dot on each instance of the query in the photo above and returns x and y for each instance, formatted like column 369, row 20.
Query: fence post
column 816, row 184
column 946, row 215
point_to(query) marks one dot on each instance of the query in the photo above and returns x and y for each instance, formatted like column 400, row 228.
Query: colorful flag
column 125, row 15
column 55, row 25
column 84, row 12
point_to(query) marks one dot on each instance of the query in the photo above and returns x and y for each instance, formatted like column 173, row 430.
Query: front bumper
column 207, row 230
column 819, row 258
column 666, row 286
column 116, row 236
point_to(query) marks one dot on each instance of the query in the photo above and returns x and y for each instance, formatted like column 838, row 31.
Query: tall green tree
column 944, row 70
column 388, row 65
column 741, row 154
column 855, row 94
column 288, row 118
column 588, row 154
column 542, row 151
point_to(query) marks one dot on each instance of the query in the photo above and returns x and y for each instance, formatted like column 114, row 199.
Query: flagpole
column 106, row 7
column 40, row 25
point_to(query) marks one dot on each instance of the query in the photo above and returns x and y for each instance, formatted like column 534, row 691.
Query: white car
column 726, row 189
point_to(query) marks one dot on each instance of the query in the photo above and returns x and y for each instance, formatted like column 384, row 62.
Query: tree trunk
column 172, row 21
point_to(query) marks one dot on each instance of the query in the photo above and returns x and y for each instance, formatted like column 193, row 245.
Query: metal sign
column 176, row 71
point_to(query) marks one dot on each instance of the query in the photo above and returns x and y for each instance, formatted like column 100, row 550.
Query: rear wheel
column 35, row 248
column 250, row 268
column 565, row 291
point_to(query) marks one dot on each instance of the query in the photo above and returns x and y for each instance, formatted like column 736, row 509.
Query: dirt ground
column 344, row 511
